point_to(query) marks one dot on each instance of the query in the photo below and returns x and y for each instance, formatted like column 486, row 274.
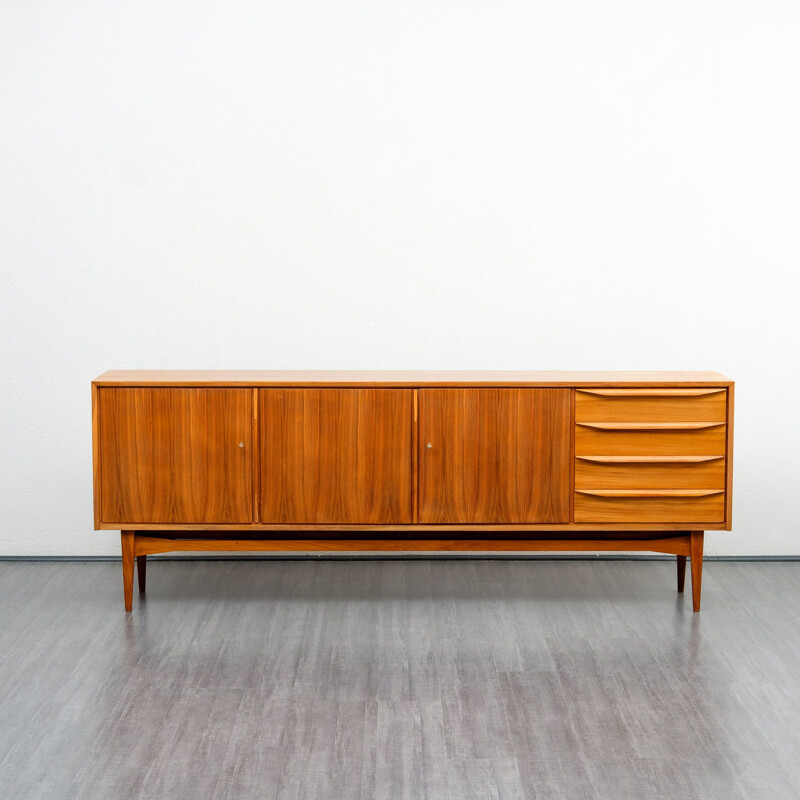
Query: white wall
column 343, row 184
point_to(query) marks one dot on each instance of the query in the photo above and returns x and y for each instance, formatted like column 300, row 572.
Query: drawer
column 650, row 405
column 649, row 472
column 657, row 439
column 679, row 507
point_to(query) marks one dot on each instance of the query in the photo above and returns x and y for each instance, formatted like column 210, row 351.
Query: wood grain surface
column 495, row 455
column 706, row 474
column 400, row 679
column 649, row 426
column 729, row 462
column 407, row 378
column 678, row 510
column 651, row 391
column 633, row 406
column 669, row 542
column 609, row 442
column 98, row 513
column 336, row 455
column 128, row 543
column 696, row 555
column 335, row 529
column 173, row 455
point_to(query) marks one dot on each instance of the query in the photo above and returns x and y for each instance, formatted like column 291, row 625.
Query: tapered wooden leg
column 141, row 568
column 127, row 567
column 696, row 550
column 681, row 572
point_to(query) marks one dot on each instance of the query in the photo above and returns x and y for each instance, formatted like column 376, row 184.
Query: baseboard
column 402, row 557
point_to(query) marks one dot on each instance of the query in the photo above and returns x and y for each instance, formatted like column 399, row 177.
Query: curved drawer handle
column 649, row 459
column 650, row 392
column 650, row 426
column 650, row 492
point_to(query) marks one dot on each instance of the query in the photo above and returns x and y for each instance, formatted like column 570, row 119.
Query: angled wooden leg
column 128, row 538
column 141, row 568
column 696, row 549
column 681, row 572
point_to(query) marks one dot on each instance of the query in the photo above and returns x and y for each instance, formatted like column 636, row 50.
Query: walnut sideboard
column 412, row 461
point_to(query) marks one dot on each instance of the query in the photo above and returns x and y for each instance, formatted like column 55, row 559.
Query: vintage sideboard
column 412, row 461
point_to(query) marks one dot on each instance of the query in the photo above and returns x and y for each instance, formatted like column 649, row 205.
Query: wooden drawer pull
column 651, row 392
column 650, row 426
column 650, row 492
column 649, row 459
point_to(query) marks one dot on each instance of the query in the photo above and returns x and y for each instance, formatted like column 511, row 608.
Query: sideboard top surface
column 411, row 378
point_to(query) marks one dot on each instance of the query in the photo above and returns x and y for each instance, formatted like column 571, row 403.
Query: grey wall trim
column 404, row 557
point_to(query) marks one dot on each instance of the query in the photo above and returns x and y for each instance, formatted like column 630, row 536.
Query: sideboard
column 412, row 461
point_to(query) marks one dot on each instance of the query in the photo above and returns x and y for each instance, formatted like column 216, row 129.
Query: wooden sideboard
column 412, row 461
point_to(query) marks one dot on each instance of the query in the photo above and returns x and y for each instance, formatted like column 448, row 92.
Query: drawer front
column 649, row 472
column 592, row 441
column 670, row 509
column 650, row 405
column 650, row 455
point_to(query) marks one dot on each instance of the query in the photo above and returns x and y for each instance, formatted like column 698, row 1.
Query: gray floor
column 404, row 679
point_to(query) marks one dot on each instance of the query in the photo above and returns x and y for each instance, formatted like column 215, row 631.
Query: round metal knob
column 429, row 445
column 241, row 444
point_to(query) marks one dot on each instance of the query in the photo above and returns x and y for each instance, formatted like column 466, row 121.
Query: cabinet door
column 494, row 455
column 174, row 455
column 336, row 455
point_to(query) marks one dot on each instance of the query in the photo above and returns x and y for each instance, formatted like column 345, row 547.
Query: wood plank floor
column 399, row 679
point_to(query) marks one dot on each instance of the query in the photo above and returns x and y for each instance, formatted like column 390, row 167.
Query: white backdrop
column 434, row 185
